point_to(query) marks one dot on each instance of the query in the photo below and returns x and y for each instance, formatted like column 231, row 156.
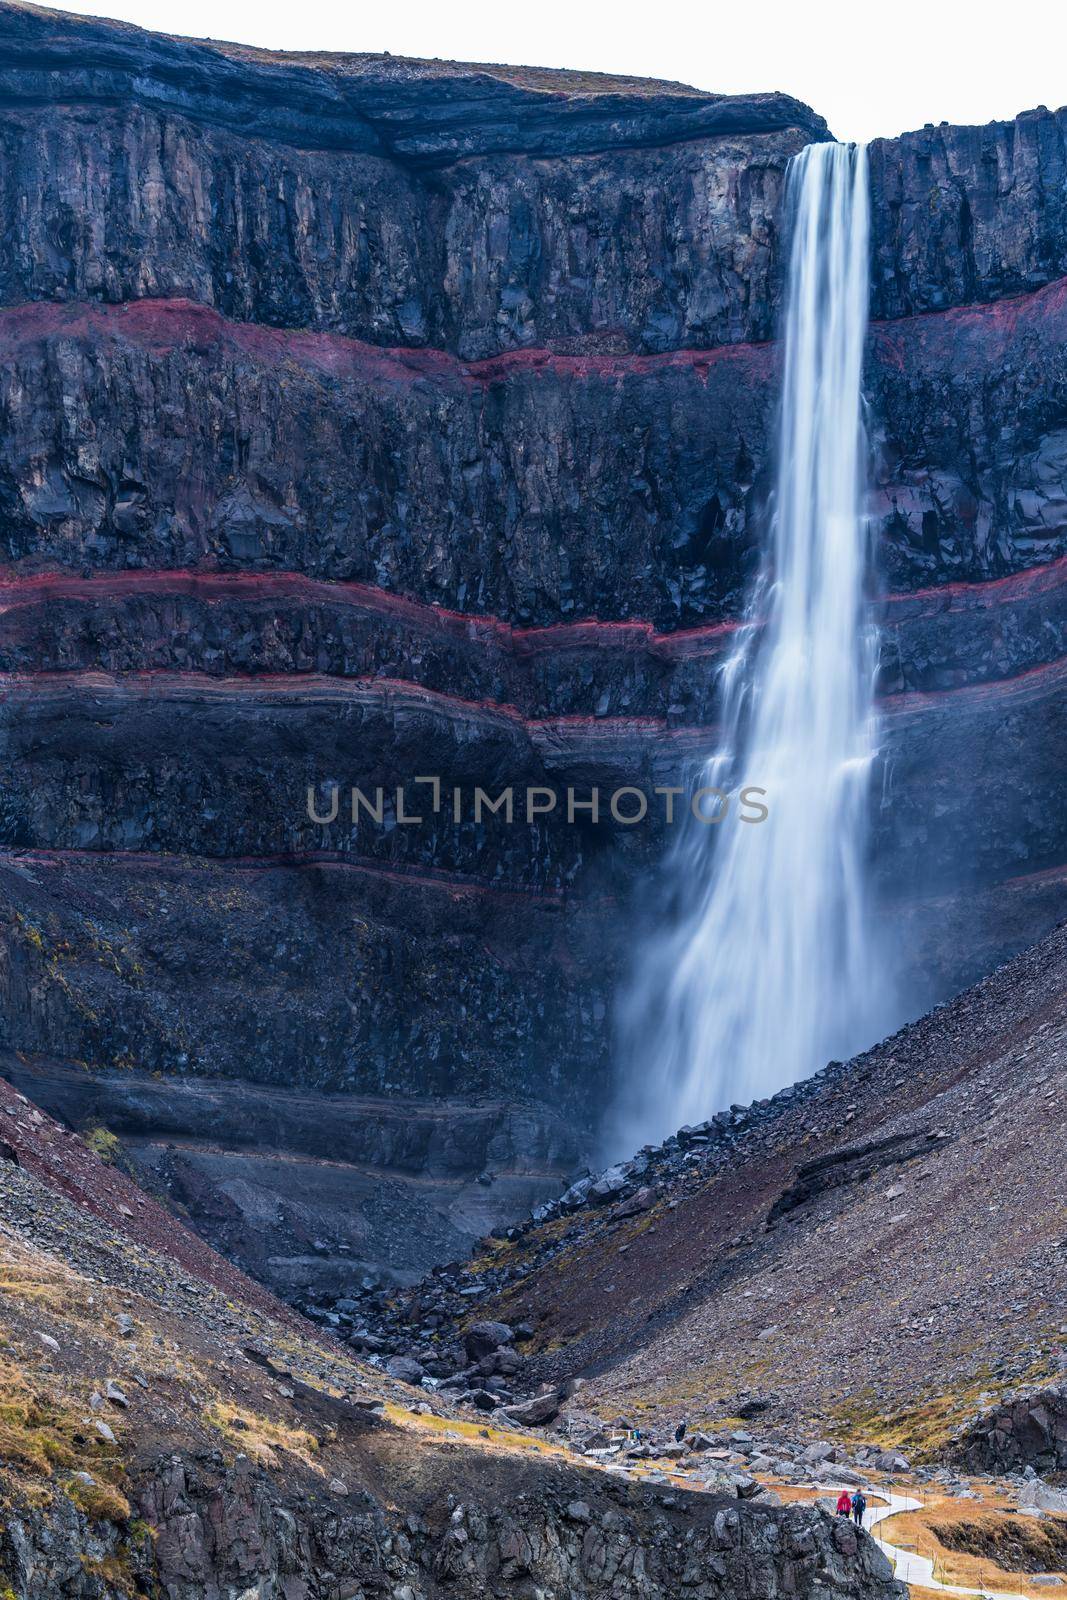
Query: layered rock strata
column 366, row 419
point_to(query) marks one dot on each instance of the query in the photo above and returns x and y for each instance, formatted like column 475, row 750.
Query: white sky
column 870, row 66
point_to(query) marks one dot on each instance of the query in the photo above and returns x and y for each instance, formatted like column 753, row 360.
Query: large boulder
column 1026, row 1429
column 503, row 1363
column 482, row 1338
column 610, row 1184
column 534, row 1413
column 406, row 1368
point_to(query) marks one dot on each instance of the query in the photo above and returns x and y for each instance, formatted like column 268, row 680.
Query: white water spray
column 768, row 970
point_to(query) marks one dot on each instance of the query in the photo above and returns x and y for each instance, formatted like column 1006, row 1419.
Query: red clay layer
column 306, row 688
column 1046, row 679
column 996, row 323
column 21, row 590
column 455, row 885
column 165, row 324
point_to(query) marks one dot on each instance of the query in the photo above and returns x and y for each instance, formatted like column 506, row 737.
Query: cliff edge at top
column 424, row 112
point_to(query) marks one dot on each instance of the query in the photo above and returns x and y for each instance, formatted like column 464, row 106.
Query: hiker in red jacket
column 844, row 1504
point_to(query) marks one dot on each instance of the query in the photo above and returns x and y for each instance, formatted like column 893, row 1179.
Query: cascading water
column 767, row 970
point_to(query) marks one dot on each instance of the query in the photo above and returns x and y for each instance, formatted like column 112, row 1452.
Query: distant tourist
column 859, row 1506
column 844, row 1504
column 679, row 1433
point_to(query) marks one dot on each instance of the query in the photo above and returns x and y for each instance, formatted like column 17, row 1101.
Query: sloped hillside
column 167, row 1430
column 879, row 1253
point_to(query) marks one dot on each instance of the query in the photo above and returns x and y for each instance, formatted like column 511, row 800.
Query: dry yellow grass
column 914, row 1530
column 921, row 1429
column 35, row 1284
column 101, row 1502
column 482, row 1434
column 260, row 1437
column 37, row 1432
column 43, row 1437
column 38, row 1282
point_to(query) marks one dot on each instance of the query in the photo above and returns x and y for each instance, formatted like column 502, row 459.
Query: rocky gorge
column 171, row 1431
column 365, row 419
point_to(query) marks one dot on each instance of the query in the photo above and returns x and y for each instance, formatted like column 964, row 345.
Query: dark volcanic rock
column 964, row 214
column 850, row 1165
column 281, row 191
column 394, row 105
column 482, row 1338
column 234, row 1525
column 1024, row 1430
column 212, row 967
column 406, row 1368
column 230, row 446
column 536, row 1411
column 641, row 492
column 367, row 418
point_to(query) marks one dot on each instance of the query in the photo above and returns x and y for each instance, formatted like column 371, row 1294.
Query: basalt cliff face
column 366, row 419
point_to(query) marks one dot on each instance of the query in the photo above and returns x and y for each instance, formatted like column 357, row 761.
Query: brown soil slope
column 166, row 1429
column 882, row 1255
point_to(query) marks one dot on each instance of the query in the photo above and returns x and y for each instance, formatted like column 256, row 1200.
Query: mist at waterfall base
column 766, row 966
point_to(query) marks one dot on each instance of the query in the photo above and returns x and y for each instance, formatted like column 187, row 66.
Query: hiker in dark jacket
column 679, row 1433
column 859, row 1506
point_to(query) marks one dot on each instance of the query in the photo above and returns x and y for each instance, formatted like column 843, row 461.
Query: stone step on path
column 907, row 1564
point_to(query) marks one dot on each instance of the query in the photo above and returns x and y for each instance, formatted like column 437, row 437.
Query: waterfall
column 766, row 970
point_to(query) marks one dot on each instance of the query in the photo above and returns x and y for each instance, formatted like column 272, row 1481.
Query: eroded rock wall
column 1027, row 1429
column 365, row 419
column 218, row 1530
